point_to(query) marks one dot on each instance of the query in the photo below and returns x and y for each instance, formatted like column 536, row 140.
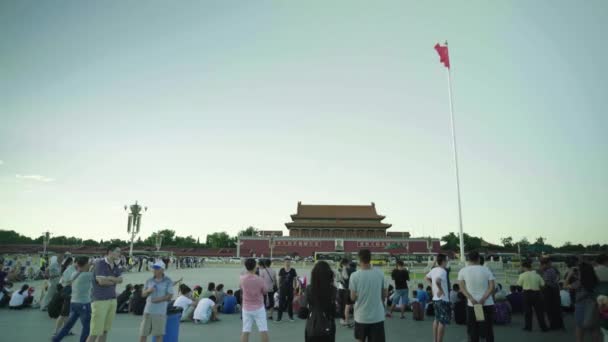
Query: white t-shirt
column 566, row 300
column 477, row 280
column 17, row 299
column 203, row 309
column 183, row 302
column 439, row 273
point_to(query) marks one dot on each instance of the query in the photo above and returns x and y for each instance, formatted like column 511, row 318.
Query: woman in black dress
column 321, row 302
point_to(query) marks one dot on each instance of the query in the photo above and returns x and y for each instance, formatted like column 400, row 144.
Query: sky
column 218, row 115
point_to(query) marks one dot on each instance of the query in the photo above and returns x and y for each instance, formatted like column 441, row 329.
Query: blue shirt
column 162, row 287
column 103, row 269
column 229, row 305
column 422, row 297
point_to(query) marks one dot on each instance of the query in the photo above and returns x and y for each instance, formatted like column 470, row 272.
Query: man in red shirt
column 253, row 288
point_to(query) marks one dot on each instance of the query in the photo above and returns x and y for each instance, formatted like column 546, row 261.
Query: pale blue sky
column 224, row 114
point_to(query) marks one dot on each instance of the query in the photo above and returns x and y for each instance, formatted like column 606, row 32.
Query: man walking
column 531, row 283
column 368, row 293
column 103, row 309
column 159, row 290
column 254, row 289
column 401, row 276
column 80, row 302
column 438, row 277
column 287, row 282
column 477, row 284
column 551, row 294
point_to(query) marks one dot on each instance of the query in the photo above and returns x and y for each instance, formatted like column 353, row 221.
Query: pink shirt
column 253, row 288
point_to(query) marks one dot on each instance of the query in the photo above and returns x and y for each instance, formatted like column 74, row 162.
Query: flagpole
column 462, row 256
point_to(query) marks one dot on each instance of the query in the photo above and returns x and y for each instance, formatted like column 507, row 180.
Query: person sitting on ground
column 185, row 301
column 205, row 311
column 21, row 299
column 219, row 295
column 123, row 300
column 5, row 294
column 500, row 295
column 229, row 306
column 196, row 292
column 210, row 291
column 138, row 301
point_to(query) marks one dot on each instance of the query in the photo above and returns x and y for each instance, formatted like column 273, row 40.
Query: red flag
column 444, row 56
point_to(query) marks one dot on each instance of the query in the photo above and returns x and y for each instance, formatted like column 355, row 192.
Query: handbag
column 318, row 325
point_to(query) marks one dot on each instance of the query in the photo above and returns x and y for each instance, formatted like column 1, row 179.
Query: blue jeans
column 77, row 310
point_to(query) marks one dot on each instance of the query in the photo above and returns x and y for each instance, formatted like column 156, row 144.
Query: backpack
column 56, row 303
column 501, row 313
column 417, row 311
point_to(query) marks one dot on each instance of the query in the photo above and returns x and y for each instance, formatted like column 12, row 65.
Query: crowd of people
column 83, row 290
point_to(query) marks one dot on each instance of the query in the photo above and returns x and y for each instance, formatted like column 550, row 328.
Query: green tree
column 507, row 242
column 540, row 241
column 11, row 237
column 249, row 231
column 220, row 240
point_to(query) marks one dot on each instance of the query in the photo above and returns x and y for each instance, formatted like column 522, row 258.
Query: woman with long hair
column 586, row 314
column 321, row 301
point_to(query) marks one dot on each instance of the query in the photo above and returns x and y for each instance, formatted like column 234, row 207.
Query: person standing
column 103, row 307
column 159, row 291
column 438, row 277
column 344, row 273
column 586, row 315
column 288, row 279
column 320, row 299
column 401, row 276
column 368, row 293
column 80, row 302
column 67, row 271
column 54, row 273
column 531, row 282
column 477, row 284
column 551, row 295
column 254, row 289
column 270, row 280
column 601, row 271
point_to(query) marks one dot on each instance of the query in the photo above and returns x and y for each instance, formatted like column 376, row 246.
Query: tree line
column 508, row 244
column 169, row 239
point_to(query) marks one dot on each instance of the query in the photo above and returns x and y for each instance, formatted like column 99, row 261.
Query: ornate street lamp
column 134, row 222
column 158, row 241
column 46, row 237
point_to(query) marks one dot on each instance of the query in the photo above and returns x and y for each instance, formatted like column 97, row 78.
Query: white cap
column 159, row 265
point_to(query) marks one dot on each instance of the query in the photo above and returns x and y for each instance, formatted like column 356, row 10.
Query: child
column 417, row 307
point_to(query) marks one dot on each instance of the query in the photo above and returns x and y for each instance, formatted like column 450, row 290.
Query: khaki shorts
column 102, row 316
column 153, row 325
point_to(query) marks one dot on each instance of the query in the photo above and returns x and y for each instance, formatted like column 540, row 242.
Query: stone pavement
column 33, row 325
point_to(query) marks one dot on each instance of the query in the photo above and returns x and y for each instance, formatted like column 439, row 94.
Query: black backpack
column 54, row 308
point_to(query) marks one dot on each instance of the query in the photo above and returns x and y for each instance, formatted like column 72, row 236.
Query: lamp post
column 158, row 241
column 46, row 237
column 271, row 244
column 134, row 222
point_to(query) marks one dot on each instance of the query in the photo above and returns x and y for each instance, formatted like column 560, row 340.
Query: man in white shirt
column 185, row 302
column 477, row 284
column 438, row 277
column 205, row 310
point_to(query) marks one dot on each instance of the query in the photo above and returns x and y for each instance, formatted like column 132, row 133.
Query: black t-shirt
column 286, row 278
column 400, row 277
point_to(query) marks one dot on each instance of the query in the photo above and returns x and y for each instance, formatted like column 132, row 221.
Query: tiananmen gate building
column 334, row 228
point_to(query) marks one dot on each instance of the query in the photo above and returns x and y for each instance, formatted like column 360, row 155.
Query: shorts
column 401, row 294
column 370, row 332
column 153, row 325
column 443, row 311
column 345, row 296
column 102, row 316
column 269, row 300
column 259, row 316
column 65, row 306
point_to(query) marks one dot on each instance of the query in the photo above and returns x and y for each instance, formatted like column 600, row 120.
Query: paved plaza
column 34, row 325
